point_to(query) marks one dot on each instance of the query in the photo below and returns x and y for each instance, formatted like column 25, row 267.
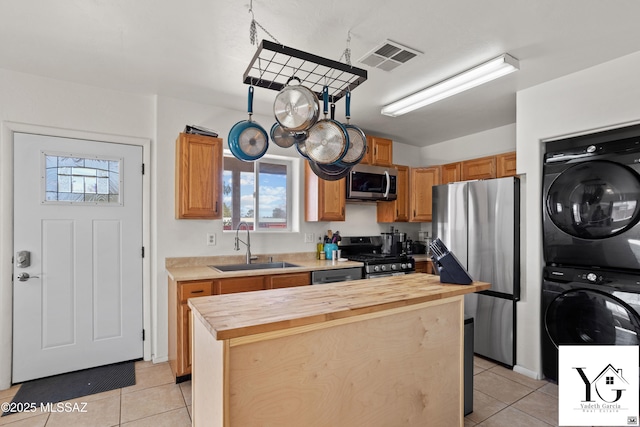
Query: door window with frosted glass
column 86, row 180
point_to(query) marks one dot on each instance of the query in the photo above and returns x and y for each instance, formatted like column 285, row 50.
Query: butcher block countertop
column 242, row 314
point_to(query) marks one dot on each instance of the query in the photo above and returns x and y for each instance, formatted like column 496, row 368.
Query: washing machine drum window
column 590, row 317
column 595, row 200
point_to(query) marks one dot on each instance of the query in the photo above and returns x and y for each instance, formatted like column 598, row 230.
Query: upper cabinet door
column 324, row 200
column 379, row 151
column 482, row 168
column 506, row 164
column 451, row 173
column 396, row 210
column 198, row 177
column 422, row 180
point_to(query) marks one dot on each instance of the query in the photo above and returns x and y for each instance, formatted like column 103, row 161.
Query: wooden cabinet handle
column 216, row 206
column 197, row 292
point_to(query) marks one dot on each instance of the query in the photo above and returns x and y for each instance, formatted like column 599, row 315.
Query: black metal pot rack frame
column 274, row 64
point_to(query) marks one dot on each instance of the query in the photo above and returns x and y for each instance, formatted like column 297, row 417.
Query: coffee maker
column 393, row 243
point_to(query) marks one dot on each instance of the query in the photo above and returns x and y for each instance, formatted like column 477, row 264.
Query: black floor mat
column 74, row 384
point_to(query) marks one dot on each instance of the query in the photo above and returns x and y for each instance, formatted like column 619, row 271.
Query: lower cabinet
column 239, row 284
column 180, row 314
column 180, row 322
column 288, row 280
column 424, row 267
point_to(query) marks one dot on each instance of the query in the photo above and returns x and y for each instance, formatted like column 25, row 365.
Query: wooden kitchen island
column 377, row 352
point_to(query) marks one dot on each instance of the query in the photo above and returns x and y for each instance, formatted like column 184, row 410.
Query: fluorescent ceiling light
column 491, row 70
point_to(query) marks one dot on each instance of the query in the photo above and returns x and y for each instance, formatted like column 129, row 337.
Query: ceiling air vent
column 388, row 55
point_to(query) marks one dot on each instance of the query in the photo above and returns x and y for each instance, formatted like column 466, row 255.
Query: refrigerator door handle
column 501, row 295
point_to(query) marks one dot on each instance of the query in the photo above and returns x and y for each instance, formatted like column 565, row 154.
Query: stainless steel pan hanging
column 357, row 139
column 285, row 139
column 296, row 107
column 328, row 141
column 329, row 172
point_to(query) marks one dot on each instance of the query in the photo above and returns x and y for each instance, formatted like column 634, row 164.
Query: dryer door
column 585, row 316
column 594, row 200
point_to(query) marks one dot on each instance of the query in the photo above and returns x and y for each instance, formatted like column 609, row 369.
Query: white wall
column 481, row 144
column 65, row 107
column 602, row 96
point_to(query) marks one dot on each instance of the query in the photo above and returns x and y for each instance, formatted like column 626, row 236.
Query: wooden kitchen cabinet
column 288, row 280
column 506, row 165
column 198, row 186
column 234, row 285
column 180, row 322
column 451, row 172
column 379, row 152
column 482, row 168
column 180, row 314
column 421, row 182
column 323, row 200
column 397, row 210
column 424, row 267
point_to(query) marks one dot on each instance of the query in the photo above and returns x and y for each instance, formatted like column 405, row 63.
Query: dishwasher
column 321, row 277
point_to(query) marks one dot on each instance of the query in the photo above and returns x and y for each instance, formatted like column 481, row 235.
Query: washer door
column 594, row 200
column 584, row 316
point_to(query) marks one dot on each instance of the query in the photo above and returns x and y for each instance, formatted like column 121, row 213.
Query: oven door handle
column 386, row 176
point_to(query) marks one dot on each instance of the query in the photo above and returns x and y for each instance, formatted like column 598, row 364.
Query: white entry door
column 78, row 213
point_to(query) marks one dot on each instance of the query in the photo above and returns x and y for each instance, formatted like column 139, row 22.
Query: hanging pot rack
column 274, row 64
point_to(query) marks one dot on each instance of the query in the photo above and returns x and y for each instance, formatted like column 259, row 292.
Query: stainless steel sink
column 258, row 266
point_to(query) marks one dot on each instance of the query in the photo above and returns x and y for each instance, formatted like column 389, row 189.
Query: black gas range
column 368, row 250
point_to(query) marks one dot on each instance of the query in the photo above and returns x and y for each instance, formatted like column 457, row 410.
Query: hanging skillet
column 357, row 138
column 329, row 172
column 296, row 107
column 285, row 139
column 302, row 149
column 248, row 141
column 328, row 140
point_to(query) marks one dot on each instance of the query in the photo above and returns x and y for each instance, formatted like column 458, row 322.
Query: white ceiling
column 199, row 49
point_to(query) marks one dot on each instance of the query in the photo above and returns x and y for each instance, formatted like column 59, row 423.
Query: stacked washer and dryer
column 591, row 223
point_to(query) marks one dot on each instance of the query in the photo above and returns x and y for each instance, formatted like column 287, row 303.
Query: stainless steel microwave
column 366, row 182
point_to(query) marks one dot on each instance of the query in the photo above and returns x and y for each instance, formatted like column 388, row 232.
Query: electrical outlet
column 309, row 238
column 211, row 239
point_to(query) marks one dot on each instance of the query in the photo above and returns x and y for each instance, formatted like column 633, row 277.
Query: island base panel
column 403, row 369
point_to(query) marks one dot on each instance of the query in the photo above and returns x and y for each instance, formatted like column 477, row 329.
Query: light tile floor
column 501, row 398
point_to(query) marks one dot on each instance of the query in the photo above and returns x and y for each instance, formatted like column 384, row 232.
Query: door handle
column 23, row 277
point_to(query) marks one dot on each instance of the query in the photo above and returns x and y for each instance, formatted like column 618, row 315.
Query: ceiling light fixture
column 490, row 70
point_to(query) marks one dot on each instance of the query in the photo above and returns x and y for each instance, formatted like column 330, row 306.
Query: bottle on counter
column 319, row 248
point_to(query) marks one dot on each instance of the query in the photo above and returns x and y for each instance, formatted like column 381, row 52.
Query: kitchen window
column 258, row 193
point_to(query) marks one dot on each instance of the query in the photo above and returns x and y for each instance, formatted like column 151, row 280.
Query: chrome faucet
column 247, row 243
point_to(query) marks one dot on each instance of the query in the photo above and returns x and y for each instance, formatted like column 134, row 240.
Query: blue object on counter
column 328, row 248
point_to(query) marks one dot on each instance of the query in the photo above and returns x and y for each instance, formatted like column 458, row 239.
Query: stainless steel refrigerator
column 479, row 221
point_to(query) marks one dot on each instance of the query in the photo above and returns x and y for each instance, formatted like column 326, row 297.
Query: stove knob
column 394, row 267
column 376, row 268
column 383, row 268
column 403, row 266
column 592, row 277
